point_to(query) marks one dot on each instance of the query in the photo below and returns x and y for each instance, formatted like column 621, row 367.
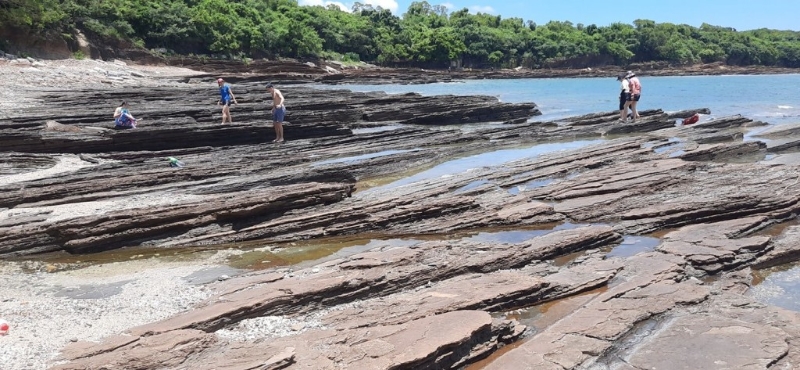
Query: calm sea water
column 771, row 98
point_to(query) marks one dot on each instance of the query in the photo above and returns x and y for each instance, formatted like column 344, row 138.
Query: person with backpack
column 226, row 97
column 636, row 93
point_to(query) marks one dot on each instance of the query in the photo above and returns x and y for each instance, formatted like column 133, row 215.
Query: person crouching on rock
column 123, row 118
column 226, row 97
column 278, row 112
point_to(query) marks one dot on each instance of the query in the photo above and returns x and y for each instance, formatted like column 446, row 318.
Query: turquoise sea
column 769, row 98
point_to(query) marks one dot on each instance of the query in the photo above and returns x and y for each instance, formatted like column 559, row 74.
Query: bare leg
column 278, row 131
column 633, row 109
column 133, row 121
column 627, row 106
column 623, row 114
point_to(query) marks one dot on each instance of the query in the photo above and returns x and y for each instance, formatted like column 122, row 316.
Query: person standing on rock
column 624, row 97
column 278, row 112
column 226, row 97
column 636, row 93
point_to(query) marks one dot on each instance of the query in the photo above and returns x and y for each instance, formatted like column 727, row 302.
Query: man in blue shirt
column 226, row 97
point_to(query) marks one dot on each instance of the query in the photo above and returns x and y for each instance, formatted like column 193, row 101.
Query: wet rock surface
column 71, row 184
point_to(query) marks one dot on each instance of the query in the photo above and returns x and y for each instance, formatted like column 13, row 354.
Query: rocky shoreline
column 335, row 72
column 462, row 244
column 330, row 72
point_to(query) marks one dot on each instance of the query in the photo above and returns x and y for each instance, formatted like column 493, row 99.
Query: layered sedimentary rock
column 75, row 185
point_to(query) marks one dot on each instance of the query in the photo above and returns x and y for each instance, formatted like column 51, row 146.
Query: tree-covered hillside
column 425, row 35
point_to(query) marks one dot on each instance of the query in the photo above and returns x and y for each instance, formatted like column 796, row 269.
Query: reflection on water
column 66, row 261
column 566, row 259
column 530, row 185
column 632, row 245
column 673, row 144
column 473, row 185
column 309, row 253
column 261, row 254
column 489, row 159
column 660, row 234
column 507, row 237
column 362, row 157
column 779, row 286
column 538, row 318
column 778, row 229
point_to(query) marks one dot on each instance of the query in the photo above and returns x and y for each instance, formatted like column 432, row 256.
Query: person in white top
column 624, row 97
column 123, row 118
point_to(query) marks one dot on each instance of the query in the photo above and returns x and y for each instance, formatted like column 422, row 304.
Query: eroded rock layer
column 580, row 186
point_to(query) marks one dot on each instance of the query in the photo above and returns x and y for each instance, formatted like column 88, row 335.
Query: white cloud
column 385, row 4
column 449, row 6
column 482, row 9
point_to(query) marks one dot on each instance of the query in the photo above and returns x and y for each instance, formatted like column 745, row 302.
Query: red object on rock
column 3, row 327
column 693, row 119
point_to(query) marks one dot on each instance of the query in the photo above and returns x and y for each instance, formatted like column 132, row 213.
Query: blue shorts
column 279, row 114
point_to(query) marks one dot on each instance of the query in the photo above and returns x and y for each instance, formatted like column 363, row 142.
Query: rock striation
column 577, row 189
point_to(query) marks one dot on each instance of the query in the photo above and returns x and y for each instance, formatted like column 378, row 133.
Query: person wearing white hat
column 636, row 93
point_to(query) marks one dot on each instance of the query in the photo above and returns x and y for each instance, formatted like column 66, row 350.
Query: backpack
column 691, row 120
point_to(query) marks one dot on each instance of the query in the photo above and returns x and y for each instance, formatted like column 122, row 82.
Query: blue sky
column 739, row 14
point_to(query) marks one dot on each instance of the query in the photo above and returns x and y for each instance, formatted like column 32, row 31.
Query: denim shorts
column 279, row 114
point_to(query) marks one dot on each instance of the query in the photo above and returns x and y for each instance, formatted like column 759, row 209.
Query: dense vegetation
column 425, row 35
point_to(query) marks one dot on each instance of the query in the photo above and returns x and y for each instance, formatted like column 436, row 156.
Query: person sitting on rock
column 123, row 118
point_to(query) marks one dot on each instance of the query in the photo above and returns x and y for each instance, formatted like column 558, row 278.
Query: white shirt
column 625, row 85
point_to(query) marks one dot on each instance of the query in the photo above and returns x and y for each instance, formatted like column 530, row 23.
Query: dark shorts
column 226, row 103
column 623, row 98
column 635, row 97
column 279, row 114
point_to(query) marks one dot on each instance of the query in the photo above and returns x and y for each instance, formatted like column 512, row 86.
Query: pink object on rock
column 3, row 327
